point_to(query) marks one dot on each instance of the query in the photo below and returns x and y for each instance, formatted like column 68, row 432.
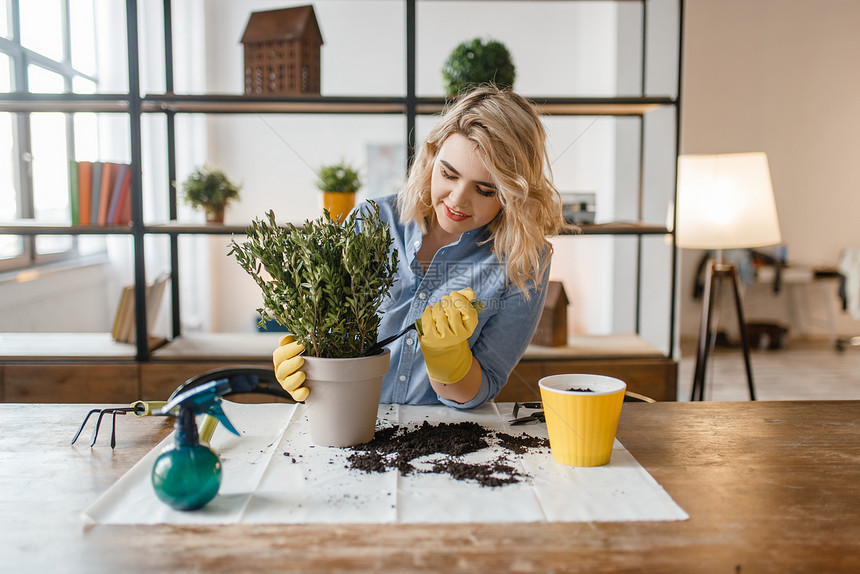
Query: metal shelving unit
column 409, row 105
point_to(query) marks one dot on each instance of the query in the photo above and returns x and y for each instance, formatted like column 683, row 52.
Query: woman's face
column 462, row 191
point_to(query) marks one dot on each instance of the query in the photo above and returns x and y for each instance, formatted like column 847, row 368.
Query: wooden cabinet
column 71, row 382
column 655, row 378
column 644, row 368
column 122, row 383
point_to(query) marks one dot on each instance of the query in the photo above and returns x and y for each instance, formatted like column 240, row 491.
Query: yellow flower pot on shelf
column 338, row 203
column 339, row 183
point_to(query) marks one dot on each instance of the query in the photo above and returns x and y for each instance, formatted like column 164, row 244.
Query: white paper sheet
column 273, row 474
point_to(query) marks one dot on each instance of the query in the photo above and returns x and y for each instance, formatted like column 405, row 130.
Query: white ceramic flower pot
column 344, row 398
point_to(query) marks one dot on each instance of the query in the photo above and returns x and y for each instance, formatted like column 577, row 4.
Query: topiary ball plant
column 478, row 62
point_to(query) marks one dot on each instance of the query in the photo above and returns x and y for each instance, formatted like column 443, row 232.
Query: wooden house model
column 552, row 327
column 282, row 52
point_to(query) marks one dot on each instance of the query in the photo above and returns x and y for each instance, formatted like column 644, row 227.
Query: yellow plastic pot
column 582, row 414
column 339, row 204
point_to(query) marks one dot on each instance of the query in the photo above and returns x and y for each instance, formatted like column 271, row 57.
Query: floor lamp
column 725, row 201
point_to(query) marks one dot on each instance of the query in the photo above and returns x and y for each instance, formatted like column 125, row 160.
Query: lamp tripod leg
column 736, row 283
column 698, row 392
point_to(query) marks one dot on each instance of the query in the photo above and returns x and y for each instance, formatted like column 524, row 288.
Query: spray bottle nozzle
column 203, row 399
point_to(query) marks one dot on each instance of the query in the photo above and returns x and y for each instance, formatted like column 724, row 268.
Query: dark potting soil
column 581, row 390
column 495, row 473
column 522, row 443
column 397, row 447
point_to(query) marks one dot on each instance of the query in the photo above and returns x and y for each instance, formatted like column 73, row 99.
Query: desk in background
column 796, row 282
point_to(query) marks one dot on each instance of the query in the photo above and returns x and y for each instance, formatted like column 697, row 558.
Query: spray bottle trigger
column 216, row 411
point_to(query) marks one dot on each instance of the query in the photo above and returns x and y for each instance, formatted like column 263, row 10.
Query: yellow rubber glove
column 447, row 326
column 287, row 364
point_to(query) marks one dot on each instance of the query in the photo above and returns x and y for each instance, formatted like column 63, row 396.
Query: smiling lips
column 454, row 215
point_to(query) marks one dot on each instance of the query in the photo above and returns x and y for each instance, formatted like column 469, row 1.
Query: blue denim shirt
column 505, row 326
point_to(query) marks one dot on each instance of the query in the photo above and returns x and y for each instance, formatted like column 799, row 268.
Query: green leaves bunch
column 209, row 187
column 477, row 62
column 324, row 282
column 340, row 177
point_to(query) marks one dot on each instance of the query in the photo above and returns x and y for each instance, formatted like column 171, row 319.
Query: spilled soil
column 445, row 445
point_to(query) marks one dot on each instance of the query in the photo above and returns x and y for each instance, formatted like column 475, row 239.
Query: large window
column 46, row 46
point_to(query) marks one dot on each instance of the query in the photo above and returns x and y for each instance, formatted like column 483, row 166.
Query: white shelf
column 219, row 347
column 256, row 347
column 63, row 346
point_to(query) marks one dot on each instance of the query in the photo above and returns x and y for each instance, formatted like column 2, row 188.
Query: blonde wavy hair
column 508, row 133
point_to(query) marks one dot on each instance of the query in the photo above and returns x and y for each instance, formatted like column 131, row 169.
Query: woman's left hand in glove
column 447, row 326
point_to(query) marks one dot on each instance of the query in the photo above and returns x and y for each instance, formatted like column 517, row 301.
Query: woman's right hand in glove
column 287, row 362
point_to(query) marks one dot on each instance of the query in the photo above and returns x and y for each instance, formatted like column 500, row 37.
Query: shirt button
column 402, row 377
column 417, row 244
column 410, row 341
column 422, row 295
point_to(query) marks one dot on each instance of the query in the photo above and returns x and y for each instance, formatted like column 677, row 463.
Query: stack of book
column 99, row 193
column 124, row 325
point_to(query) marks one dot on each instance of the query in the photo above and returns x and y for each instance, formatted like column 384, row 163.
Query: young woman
column 471, row 222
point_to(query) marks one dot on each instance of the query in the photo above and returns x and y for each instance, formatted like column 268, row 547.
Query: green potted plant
column 210, row 189
column 339, row 183
column 324, row 283
column 478, row 62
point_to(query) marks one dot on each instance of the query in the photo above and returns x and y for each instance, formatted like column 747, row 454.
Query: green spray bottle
column 187, row 475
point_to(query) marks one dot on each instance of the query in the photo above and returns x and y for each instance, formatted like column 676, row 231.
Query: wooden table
column 770, row 487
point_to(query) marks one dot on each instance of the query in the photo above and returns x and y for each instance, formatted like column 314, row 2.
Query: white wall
column 780, row 76
column 559, row 48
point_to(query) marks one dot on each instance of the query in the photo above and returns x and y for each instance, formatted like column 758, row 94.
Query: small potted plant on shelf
column 339, row 183
column 478, row 62
column 209, row 188
column 324, row 283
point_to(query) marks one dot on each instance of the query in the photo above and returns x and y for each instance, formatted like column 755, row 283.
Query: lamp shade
column 725, row 201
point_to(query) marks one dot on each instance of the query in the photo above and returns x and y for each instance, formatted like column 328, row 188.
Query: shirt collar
column 413, row 238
